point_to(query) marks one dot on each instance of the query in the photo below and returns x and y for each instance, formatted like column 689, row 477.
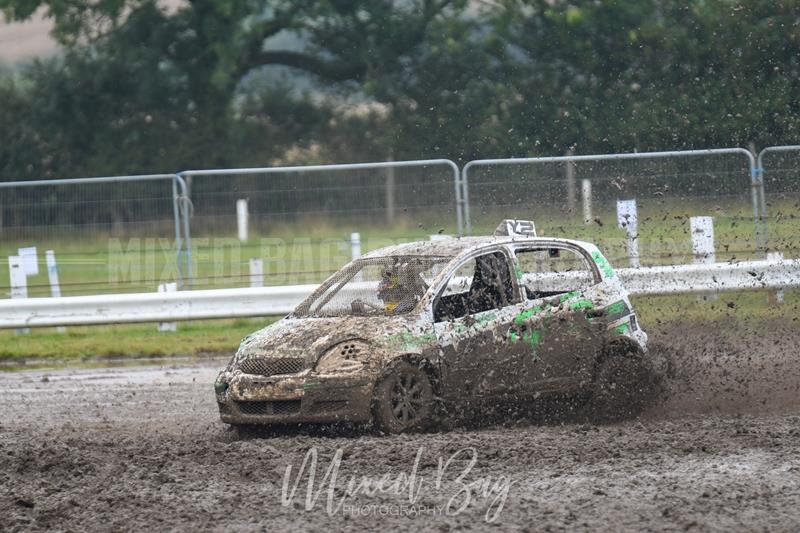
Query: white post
column 586, row 198
column 702, row 229
column 703, row 249
column 570, row 178
column 167, row 326
column 355, row 245
column 628, row 219
column 355, row 251
column 256, row 273
column 242, row 219
column 390, row 194
column 775, row 296
column 19, row 283
column 30, row 260
column 52, row 274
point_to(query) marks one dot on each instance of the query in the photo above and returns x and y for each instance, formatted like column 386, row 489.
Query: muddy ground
column 136, row 449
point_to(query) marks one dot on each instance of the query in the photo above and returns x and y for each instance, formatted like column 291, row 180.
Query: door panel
column 472, row 316
column 560, row 342
column 554, row 329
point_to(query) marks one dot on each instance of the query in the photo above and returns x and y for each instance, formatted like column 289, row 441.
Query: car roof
column 454, row 246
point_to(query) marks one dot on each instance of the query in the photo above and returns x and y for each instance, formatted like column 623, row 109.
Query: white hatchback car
column 405, row 329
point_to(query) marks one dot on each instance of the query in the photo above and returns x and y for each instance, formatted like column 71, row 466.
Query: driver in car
column 401, row 288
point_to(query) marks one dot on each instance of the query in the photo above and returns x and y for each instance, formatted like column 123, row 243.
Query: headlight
column 347, row 356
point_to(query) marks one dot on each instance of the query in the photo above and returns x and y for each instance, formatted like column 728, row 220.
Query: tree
column 215, row 43
column 618, row 76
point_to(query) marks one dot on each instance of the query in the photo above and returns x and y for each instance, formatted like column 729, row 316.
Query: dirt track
column 135, row 449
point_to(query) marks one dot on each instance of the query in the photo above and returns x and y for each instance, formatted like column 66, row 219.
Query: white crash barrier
column 716, row 277
column 266, row 301
column 152, row 307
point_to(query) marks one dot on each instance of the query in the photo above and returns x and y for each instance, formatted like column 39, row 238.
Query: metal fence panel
column 109, row 234
column 300, row 218
column 669, row 188
column 779, row 169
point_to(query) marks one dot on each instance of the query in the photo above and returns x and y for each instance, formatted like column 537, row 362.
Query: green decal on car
column 616, row 311
column 311, row 385
column 460, row 328
column 568, row 296
column 525, row 315
column 602, row 263
column 531, row 338
column 518, row 271
column 407, row 339
column 475, row 324
column 485, row 319
column 616, row 308
column 622, row 328
column 581, row 304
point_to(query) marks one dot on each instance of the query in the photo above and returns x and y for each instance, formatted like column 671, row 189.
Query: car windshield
column 390, row 285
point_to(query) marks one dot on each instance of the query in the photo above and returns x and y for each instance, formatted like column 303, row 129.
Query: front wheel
column 403, row 399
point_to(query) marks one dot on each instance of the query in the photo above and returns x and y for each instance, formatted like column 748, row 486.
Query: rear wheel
column 403, row 399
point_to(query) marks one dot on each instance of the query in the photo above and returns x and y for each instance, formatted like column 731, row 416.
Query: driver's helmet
column 400, row 287
column 389, row 289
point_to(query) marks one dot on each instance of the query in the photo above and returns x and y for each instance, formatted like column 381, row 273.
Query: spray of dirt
column 724, row 370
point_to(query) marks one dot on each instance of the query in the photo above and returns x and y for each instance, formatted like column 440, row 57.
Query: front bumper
column 252, row 399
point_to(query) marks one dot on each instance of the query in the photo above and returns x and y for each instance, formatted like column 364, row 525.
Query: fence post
column 702, row 229
column 52, row 276
column 355, row 251
column 703, row 249
column 242, row 219
column 355, row 245
column 256, row 273
column 775, row 297
column 390, row 190
column 176, row 213
column 30, row 260
column 167, row 326
column 19, row 283
column 462, row 196
column 586, row 198
column 569, row 172
column 628, row 220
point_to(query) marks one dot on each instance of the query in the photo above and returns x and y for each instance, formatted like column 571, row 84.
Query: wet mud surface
column 134, row 449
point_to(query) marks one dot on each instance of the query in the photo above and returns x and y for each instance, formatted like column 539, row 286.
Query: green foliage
column 143, row 88
column 654, row 74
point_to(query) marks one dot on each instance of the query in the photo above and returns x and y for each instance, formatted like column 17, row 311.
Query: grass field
column 308, row 253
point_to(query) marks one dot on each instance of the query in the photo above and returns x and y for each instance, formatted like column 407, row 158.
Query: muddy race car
column 404, row 330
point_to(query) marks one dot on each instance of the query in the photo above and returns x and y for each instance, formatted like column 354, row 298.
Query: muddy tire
column 623, row 386
column 403, row 400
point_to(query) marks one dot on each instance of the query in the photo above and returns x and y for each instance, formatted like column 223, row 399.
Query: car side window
column 480, row 284
column 544, row 272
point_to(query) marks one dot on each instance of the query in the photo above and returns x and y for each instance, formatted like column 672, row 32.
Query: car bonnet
column 309, row 337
